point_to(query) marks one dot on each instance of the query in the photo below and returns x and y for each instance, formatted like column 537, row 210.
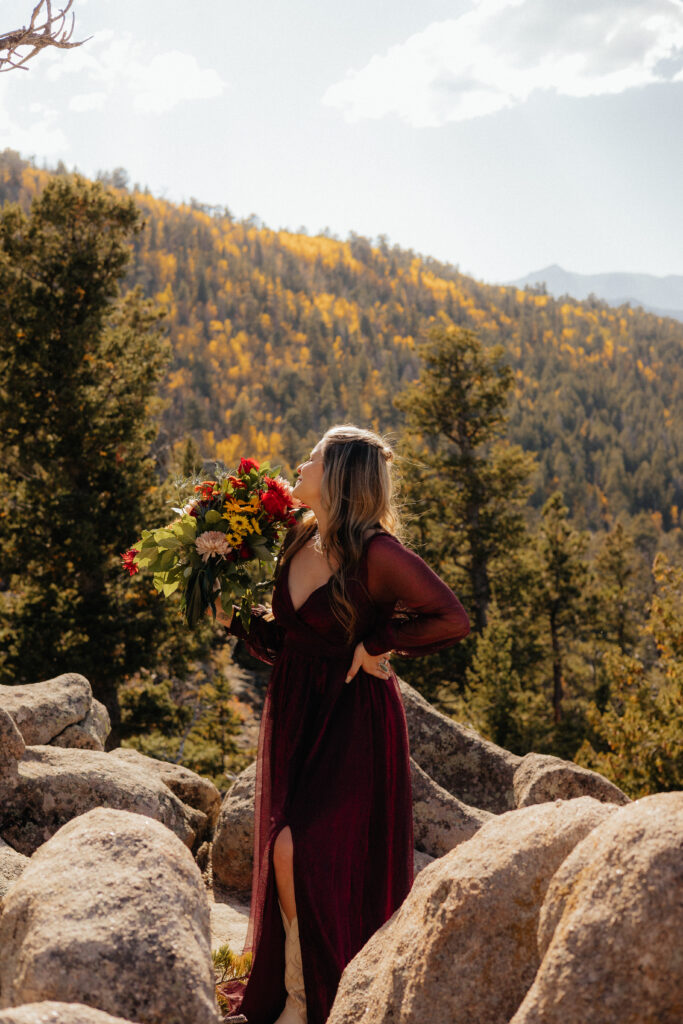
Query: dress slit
column 295, row 868
column 294, row 884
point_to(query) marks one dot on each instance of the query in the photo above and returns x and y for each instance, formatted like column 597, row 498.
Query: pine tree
column 499, row 701
column 639, row 742
column 192, row 460
column 79, row 367
column 466, row 483
column 619, row 597
column 563, row 576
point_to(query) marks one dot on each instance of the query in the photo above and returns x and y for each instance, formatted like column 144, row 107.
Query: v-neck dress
column 333, row 764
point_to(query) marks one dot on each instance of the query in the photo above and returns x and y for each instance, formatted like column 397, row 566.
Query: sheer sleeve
column 265, row 636
column 418, row 613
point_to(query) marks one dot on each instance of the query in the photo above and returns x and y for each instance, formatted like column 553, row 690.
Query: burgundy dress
column 333, row 764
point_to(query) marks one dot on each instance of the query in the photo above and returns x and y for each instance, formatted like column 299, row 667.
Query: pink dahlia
column 212, row 542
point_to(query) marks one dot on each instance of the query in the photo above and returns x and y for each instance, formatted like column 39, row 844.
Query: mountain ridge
column 660, row 295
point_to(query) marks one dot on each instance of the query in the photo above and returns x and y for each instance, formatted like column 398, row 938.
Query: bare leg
column 283, row 860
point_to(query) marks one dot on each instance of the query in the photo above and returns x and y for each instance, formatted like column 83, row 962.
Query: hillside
column 276, row 335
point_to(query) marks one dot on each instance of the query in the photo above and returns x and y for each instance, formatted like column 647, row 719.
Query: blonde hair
column 358, row 491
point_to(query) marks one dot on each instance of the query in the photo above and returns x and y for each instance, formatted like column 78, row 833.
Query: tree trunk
column 480, row 590
column 558, row 688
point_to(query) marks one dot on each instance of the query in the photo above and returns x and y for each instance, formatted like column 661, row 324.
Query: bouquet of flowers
column 230, row 526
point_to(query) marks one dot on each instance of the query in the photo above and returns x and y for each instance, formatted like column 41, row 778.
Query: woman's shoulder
column 381, row 542
column 382, row 533
column 385, row 551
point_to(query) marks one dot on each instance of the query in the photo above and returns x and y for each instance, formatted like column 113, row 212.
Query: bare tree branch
column 51, row 32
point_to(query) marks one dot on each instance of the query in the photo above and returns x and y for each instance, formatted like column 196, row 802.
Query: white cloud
column 39, row 134
column 498, row 53
column 170, row 78
column 83, row 102
column 120, row 64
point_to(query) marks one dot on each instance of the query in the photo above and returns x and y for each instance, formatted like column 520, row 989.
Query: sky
column 500, row 136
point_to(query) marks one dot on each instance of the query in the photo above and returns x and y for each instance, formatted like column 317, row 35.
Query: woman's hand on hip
column 375, row 664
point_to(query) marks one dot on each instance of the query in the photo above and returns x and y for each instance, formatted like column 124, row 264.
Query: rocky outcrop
column 112, row 912
column 194, row 790
column 53, row 785
column 462, row 946
column 612, row 921
column 12, row 745
column 488, row 777
column 51, row 1012
column 420, row 861
column 503, row 919
column 542, row 777
column 477, row 772
column 90, row 733
column 11, row 866
column 440, row 820
column 232, row 852
column 229, row 919
column 43, row 710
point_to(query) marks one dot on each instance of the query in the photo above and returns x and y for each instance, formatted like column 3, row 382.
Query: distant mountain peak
column 660, row 295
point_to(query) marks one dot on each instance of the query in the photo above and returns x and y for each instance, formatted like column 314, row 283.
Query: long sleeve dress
column 333, row 764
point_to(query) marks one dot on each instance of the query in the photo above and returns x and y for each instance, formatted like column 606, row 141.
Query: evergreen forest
column 540, row 446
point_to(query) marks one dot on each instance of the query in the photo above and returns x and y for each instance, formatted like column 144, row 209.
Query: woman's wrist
column 224, row 619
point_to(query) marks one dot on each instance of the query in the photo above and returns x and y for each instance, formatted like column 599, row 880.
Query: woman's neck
column 321, row 518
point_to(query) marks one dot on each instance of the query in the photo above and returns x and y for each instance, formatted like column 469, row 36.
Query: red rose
column 244, row 550
column 277, row 500
column 246, row 465
column 274, row 504
column 282, row 488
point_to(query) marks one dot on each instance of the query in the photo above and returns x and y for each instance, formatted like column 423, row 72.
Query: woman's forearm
column 221, row 616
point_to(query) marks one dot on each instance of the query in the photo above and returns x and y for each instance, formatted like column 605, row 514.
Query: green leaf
column 188, row 528
column 193, row 599
column 171, row 543
column 162, row 535
column 212, row 516
column 175, row 573
column 260, row 550
column 245, row 614
column 163, row 561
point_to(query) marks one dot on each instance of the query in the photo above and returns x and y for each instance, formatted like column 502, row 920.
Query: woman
column 333, row 842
